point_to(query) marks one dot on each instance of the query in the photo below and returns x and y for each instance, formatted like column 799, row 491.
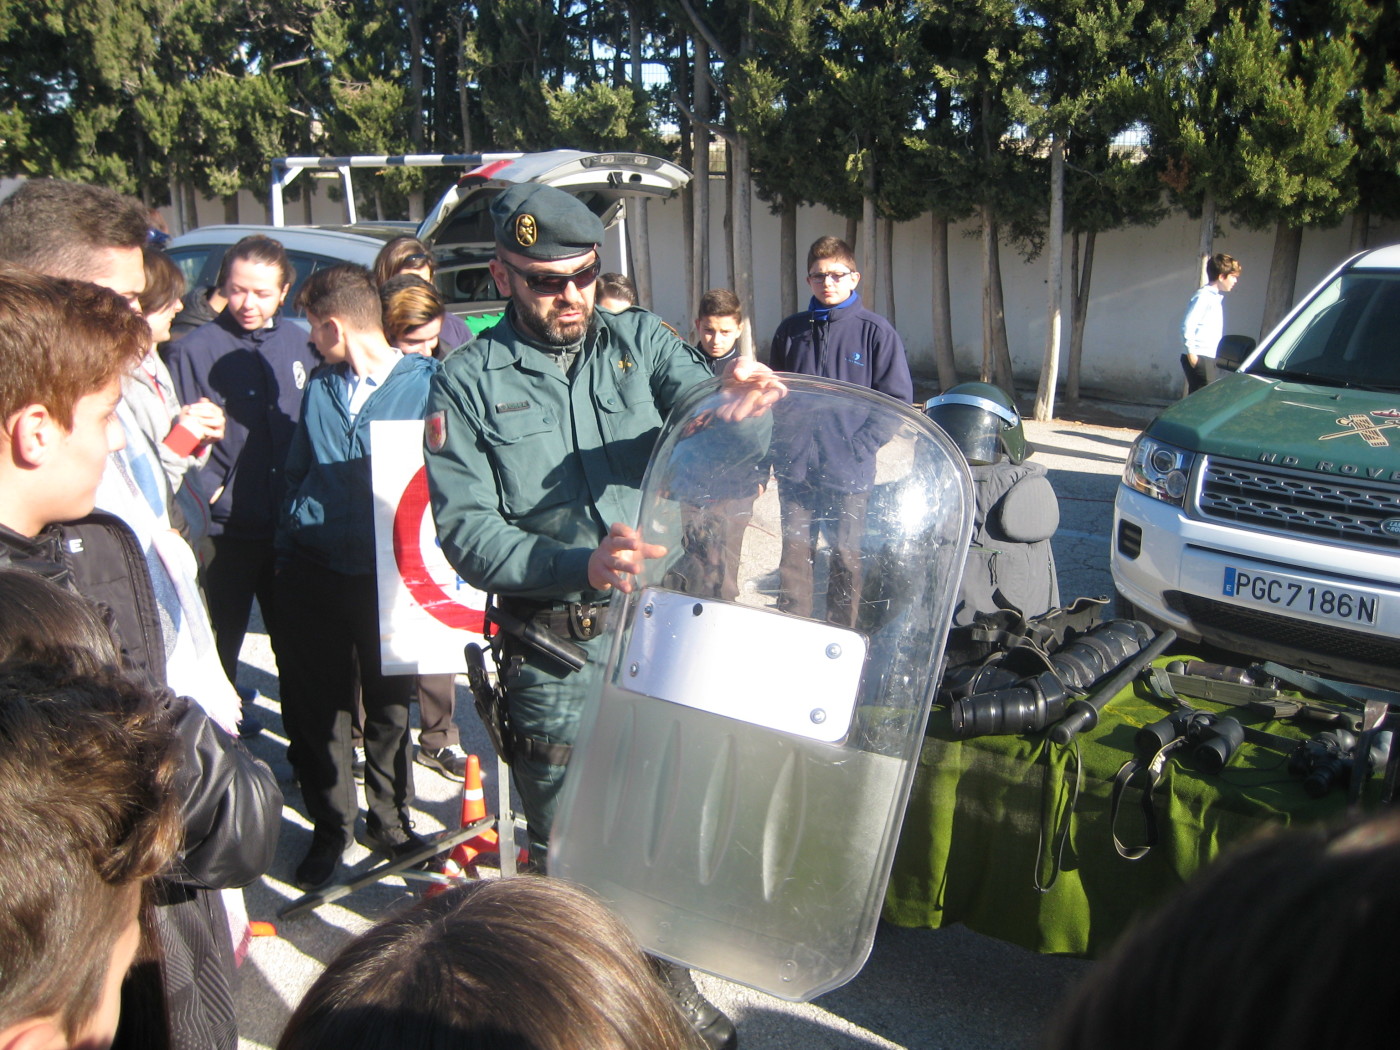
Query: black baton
column 1084, row 714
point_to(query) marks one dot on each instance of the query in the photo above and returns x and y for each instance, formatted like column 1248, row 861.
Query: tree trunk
column 638, row 211
column 415, row 98
column 1283, row 275
column 1360, row 230
column 789, row 287
column 1079, row 306
column 941, row 301
column 1207, row 245
column 177, row 207
column 996, row 354
column 640, row 226
column 688, row 208
column 464, row 98
column 989, row 241
column 743, row 240
column 852, row 235
column 867, row 253
column 730, row 181
column 191, row 205
column 231, row 209
column 887, row 267
column 438, row 137
column 701, row 169
column 1050, row 366
column 634, row 46
column 138, row 139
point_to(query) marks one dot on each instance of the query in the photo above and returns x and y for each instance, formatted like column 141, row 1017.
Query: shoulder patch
column 435, row 430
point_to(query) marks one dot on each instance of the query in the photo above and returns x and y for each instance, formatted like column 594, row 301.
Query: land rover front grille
column 1297, row 503
column 1286, row 631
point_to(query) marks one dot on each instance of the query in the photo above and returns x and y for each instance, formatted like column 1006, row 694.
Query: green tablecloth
column 972, row 846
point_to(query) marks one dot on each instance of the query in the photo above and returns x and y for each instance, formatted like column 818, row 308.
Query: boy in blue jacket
column 326, row 578
column 830, row 464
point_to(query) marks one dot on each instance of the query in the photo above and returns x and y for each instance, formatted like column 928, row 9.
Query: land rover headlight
column 1159, row 470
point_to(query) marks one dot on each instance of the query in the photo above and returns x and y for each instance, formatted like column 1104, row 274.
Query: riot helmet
column 980, row 418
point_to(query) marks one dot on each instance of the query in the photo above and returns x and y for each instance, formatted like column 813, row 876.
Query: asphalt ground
column 921, row 989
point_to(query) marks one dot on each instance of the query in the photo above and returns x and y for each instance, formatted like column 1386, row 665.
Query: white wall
column 1141, row 282
column 1140, row 285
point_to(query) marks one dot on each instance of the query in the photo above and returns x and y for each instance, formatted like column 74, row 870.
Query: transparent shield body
column 737, row 788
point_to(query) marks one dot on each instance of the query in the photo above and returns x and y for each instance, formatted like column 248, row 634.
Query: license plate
column 1302, row 596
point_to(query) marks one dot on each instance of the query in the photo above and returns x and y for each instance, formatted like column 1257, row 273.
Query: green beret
column 541, row 222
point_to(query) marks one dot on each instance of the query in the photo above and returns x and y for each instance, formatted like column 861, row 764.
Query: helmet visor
column 975, row 424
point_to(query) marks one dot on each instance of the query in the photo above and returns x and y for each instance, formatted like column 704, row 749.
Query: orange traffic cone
column 461, row 861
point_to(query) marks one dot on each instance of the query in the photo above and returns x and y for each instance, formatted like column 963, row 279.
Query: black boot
column 705, row 1017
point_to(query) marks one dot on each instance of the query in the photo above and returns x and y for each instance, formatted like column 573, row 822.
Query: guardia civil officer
column 537, row 437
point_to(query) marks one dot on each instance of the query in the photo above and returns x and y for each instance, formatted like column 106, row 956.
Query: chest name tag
column 512, row 406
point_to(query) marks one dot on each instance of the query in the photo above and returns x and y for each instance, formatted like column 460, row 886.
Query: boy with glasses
column 832, row 469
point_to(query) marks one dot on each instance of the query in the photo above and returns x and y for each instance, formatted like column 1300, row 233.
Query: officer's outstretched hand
column 619, row 557
column 749, row 389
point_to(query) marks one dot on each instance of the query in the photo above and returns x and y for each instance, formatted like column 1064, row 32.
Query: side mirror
column 1232, row 351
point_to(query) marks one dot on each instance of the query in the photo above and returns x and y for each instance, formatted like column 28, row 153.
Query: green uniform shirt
column 528, row 468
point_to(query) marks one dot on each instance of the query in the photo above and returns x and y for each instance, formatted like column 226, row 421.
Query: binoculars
column 1213, row 738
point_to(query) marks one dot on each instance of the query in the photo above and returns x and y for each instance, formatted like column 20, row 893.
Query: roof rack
column 286, row 169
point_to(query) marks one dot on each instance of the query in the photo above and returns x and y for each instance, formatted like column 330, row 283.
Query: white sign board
column 427, row 613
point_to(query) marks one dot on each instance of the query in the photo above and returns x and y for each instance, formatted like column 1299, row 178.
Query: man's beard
column 545, row 327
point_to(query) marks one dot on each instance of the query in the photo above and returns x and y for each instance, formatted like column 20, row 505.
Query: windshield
column 1348, row 335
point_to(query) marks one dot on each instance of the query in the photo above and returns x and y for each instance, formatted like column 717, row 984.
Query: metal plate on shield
column 719, row 657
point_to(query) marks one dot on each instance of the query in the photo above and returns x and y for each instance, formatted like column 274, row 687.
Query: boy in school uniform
column 719, row 321
column 831, row 466
column 712, row 529
column 326, row 577
column 64, row 347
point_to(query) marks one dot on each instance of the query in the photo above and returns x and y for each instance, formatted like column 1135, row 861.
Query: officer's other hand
column 749, row 388
column 619, row 558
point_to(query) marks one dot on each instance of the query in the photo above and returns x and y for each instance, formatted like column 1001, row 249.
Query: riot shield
column 739, row 781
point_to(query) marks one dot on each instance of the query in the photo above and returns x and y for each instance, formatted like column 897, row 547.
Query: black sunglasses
column 555, row 283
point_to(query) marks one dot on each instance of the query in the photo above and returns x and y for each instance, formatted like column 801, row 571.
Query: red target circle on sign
column 413, row 569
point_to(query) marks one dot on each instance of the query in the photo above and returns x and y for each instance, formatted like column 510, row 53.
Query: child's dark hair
column 1267, row 947
column 345, row 292
column 831, row 248
column 258, row 249
column 1221, row 265
column 720, row 302
column 62, row 340
column 87, row 815
column 400, row 254
column 40, row 622
column 617, row 286
column 513, row 964
column 164, row 281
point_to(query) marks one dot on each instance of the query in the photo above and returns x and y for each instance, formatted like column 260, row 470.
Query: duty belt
column 577, row 620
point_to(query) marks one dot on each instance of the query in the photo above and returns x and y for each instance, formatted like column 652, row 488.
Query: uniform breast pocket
column 534, row 463
column 630, row 421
